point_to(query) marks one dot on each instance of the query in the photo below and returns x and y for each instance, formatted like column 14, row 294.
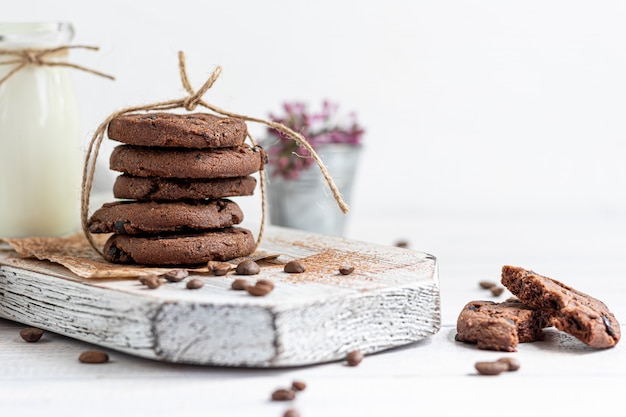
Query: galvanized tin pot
column 307, row 203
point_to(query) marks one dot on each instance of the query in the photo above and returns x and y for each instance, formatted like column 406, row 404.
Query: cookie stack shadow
column 177, row 174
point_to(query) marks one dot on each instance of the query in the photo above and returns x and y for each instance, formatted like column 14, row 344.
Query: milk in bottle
column 41, row 152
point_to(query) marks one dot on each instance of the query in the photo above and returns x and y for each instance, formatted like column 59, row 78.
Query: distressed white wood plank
column 391, row 299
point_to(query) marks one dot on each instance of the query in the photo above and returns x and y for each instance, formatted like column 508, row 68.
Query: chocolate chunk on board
column 197, row 130
column 571, row 311
column 499, row 326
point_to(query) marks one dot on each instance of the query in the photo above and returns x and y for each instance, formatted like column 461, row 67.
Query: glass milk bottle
column 41, row 154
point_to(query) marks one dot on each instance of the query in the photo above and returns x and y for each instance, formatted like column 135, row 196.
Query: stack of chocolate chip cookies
column 178, row 171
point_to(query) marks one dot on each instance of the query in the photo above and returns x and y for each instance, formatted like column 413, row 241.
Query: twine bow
column 41, row 57
column 189, row 103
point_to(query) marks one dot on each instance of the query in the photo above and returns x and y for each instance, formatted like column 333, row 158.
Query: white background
column 487, row 106
column 495, row 135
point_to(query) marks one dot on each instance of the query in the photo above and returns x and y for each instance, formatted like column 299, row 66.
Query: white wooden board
column 390, row 300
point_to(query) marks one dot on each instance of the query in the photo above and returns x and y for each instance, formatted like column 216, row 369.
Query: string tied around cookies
column 194, row 99
column 21, row 58
column 189, row 103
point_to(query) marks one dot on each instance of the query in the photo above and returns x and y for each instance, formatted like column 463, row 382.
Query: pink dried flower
column 288, row 158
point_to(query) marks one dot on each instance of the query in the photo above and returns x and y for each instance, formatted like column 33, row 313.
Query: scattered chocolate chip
column 354, row 357
column 248, row 267
column 294, row 267
column 283, row 394
column 491, row 368
column 239, row 284
column 298, row 386
column 496, row 290
column 222, row 269
column 512, row 363
column 93, row 356
column 402, row 244
column 219, row 268
column 346, row 270
column 265, row 282
column 291, row 412
column 175, row 275
column 487, row 284
column 31, row 334
column 259, row 290
column 150, row 281
column 195, row 283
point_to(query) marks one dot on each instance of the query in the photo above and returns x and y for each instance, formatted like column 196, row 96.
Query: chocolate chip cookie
column 180, row 249
column 499, row 326
column 143, row 161
column 165, row 189
column 197, row 130
column 131, row 217
column 571, row 311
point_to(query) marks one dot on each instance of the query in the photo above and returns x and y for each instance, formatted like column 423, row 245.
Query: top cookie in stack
column 177, row 172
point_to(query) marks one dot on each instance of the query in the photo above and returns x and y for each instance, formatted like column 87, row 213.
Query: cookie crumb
column 248, row 267
column 294, row 267
column 150, row 281
column 239, row 284
column 93, row 356
column 266, row 282
column 491, row 367
column 496, row 290
column 354, row 358
column 222, row 269
column 175, row 275
column 283, row 394
column 512, row 363
column 195, row 284
column 402, row 244
column 259, row 289
column 346, row 270
column 298, row 386
column 31, row 334
column 291, row 412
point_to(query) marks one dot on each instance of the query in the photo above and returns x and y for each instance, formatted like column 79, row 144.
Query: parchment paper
column 77, row 255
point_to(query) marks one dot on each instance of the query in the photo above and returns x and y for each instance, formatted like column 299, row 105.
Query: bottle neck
column 41, row 35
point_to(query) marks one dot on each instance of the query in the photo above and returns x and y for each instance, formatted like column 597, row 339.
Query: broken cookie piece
column 571, row 311
column 499, row 326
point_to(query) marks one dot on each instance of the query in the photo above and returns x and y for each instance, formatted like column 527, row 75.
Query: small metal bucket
column 307, row 203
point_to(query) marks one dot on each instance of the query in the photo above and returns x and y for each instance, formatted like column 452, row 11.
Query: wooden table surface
column 435, row 376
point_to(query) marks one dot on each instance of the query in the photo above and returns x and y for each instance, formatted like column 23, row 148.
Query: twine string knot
column 41, row 57
column 32, row 57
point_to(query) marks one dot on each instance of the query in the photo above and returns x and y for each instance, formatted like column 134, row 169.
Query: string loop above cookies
column 195, row 98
